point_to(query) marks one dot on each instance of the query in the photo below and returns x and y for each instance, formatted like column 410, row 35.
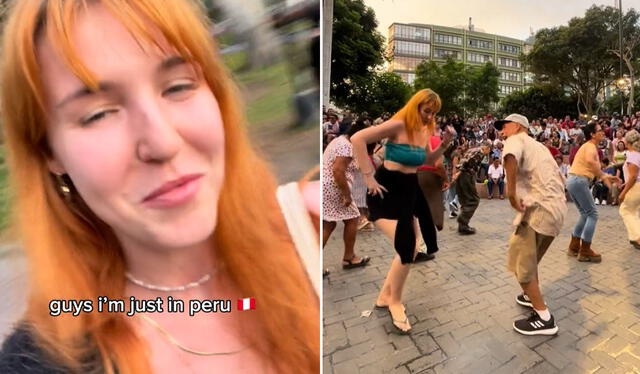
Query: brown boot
column 574, row 246
column 586, row 254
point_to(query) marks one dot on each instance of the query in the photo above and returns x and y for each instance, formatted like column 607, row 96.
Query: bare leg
column 349, row 237
column 391, row 292
column 532, row 289
column 327, row 229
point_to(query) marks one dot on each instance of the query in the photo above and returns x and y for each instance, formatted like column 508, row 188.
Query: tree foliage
column 382, row 92
column 612, row 104
column 578, row 56
column 463, row 89
column 540, row 102
column 482, row 89
column 357, row 47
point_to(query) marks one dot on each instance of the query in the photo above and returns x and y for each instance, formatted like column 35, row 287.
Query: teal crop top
column 405, row 154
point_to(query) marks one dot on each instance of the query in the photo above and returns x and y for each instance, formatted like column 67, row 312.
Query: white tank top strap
column 302, row 230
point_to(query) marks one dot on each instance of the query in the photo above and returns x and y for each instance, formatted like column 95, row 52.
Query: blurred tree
column 465, row 90
column 540, row 102
column 481, row 90
column 448, row 80
column 630, row 47
column 357, row 48
column 382, row 92
column 578, row 56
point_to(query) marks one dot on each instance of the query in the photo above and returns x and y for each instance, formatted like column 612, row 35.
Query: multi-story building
column 410, row 44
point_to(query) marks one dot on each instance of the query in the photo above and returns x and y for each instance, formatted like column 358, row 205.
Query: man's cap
column 517, row 118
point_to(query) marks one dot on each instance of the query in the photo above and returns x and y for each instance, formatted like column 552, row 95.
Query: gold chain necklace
column 173, row 341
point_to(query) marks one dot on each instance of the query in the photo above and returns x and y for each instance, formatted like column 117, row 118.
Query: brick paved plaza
column 461, row 305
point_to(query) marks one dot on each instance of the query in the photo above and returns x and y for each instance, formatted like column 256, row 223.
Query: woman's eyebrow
column 85, row 91
column 166, row 65
column 171, row 62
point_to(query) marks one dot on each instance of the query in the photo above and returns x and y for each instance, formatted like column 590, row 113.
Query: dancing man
column 465, row 180
column 535, row 188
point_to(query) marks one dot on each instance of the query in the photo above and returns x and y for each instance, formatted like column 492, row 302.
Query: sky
column 512, row 18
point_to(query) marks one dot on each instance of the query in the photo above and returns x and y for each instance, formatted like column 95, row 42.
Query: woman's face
column 146, row 151
column 425, row 112
column 620, row 146
column 598, row 135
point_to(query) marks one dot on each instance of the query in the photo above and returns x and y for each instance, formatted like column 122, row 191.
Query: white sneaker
column 604, row 202
column 596, row 201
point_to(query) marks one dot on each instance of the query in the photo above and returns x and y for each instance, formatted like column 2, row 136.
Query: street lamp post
column 620, row 40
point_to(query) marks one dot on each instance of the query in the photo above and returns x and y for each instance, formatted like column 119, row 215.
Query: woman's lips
column 174, row 193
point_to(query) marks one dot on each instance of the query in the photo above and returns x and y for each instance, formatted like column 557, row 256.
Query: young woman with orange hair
column 132, row 175
column 395, row 196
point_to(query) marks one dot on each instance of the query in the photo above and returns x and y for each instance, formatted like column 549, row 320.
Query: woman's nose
column 158, row 136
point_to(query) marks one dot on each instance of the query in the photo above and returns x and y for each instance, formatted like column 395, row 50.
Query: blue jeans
column 451, row 196
column 500, row 184
column 578, row 188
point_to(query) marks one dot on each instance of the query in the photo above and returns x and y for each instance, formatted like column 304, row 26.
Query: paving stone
column 461, row 305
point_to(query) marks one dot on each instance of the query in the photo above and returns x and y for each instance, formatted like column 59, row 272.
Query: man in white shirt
column 535, row 189
column 496, row 177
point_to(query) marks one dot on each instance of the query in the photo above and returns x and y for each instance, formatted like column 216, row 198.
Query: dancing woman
column 394, row 194
column 586, row 167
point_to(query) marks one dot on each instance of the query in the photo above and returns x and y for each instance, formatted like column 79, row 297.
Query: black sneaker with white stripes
column 523, row 300
column 534, row 325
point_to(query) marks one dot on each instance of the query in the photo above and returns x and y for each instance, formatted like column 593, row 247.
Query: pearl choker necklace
column 153, row 287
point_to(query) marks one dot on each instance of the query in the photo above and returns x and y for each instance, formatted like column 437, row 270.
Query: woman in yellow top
column 586, row 167
column 134, row 177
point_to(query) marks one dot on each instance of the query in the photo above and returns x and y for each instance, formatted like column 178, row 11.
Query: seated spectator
column 563, row 164
column 601, row 191
column 554, row 151
column 496, row 177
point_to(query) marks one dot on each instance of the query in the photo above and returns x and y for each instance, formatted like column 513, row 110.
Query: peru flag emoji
column 248, row 303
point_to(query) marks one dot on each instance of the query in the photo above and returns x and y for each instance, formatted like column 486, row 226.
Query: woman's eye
column 96, row 116
column 177, row 88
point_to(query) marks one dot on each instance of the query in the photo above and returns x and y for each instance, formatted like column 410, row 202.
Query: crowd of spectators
column 562, row 136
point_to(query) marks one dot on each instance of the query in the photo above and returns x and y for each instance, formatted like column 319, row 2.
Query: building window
column 448, row 39
column 479, row 57
column 477, row 43
column 401, row 47
column 510, row 76
column 406, row 63
column 509, row 48
column 510, row 62
column 411, row 32
column 444, row 53
column 506, row 90
column 408, row 78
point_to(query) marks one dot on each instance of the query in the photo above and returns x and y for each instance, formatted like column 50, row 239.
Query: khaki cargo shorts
column 526, row 248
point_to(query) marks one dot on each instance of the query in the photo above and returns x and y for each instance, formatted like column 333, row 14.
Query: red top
column 434, row 143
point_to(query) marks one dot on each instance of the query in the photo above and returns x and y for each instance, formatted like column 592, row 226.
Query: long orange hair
column 74, row 255
column 410, row 116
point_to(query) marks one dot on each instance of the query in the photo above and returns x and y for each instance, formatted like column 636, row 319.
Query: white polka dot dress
column 332, row 206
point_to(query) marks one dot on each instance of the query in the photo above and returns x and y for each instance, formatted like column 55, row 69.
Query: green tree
column 357, row 47
column 481, row 89
column 448, row 80
column 540, row 102
column 578, row 56
column 612, row 104
column 382, row 92
column 463, row 89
